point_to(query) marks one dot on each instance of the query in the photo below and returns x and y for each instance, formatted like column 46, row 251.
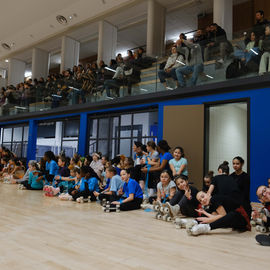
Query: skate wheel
column 263, row 229
column 157, row 207
column 161, row 209
column 159, row 216
column 169, row 219
column 166, row 210
column 257, row 228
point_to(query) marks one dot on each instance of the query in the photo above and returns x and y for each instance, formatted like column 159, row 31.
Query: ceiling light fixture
column 61, row 19
column 6, row 61
column 6, row 46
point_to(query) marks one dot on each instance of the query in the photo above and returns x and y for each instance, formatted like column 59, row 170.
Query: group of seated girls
column 223, row 203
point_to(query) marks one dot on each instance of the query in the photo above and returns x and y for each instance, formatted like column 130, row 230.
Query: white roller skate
column 171, row 210
column 21, row 186
column 83, row 200
column 190, row 224
column 158, row 206
column 147, row 206
column 199, row 229
column 180, row 223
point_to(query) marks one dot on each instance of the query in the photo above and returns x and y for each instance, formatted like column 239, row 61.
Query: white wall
column 227, row 134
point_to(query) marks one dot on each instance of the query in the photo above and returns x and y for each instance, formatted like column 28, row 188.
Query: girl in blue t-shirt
column 178, row 164
column 132, row 191
column 51, row 167
column 87, row 185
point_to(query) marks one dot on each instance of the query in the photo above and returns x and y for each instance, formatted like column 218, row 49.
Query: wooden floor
column 38, row 232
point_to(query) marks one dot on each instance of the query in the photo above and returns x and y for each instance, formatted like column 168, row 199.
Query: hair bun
column 225, row 162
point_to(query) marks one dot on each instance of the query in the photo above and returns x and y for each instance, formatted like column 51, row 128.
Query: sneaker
column 200, row 229
column 173, row 210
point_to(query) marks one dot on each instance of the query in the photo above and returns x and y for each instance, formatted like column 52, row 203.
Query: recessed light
column 61, row 19
column 6, row 61
column 6, row 46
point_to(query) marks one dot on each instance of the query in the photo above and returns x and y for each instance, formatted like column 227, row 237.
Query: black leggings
column 132, row 205
column 28, row 186
column 109, row 197
column 232, row 220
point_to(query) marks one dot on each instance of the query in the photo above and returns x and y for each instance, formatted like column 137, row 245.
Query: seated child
column 132, row 191
column 184, row 201
column 222, row 212
column 166, row 189
column 87, row 185
column 207, row 180
column 35, row 180
column 116, row 183
column 178, row 164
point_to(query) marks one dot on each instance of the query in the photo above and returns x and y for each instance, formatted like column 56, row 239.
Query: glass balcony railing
column 142, row 76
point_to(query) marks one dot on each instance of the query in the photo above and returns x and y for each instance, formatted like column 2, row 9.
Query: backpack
column 235, row 69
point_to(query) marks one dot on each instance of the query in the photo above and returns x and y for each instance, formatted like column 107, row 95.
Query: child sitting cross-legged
column 116, row 183
column 86, row 186
column 35, row 180
column 133, row 193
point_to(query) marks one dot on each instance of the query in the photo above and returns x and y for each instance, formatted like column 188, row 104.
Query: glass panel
column 7, row 135
column 70, row 147
column 103, row 147
column 25, row 133
column 93, row 128
column 115, row 127
column 227, row 133
column 46, row 130
column 17, row 134
column 7, row 145
column 17, row 149
column 125, row 147
column 1, row 135
column 103, row 129
column 92, row 146
column 24, row 153
column 114, row 149
column 71, row 128
column 125, row 129
column 44, row 144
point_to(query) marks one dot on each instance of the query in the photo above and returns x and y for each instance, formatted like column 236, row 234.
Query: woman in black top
column 242, row 179
column 222, row 212
column 223, row 184
column 184, row 201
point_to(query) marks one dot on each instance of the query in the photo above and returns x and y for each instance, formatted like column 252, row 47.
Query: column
column 16, row 70
column 32, row 140
column 58, row 137
column 223, row 15
column 70, row 53
column 83, row 135
column 156, row 19
column 40, row 63
column 107, row 42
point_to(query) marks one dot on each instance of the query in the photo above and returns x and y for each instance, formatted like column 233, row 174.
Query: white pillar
column 156, row 23
column 223, row 15
column 40, row 63
column 16, row 70
column 58, row 136
column 107, row 42
column 70, row 53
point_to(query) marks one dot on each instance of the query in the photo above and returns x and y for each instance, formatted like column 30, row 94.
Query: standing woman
column 242, row 180
column 132, row 191
column 164, row 158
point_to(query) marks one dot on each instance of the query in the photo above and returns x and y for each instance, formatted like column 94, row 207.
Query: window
column 115, row 134
column 15, row 138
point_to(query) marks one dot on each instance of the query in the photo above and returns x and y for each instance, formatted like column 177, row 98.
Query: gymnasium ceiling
column 33, row 24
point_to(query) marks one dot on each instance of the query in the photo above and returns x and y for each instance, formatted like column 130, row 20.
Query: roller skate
column 259, row 223
column 83, row 200
column 108, row 208
column 21, row 186
column 166, row 217
column 147, row 206
column 189, row 225
column 65, row 197
column 180, row 223
column 199, row 229
column 172, row 210
column 158, row 206
column 103, row 202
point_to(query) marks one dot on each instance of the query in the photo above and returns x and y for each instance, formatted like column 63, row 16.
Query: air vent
column 61, row 19
column 6, row 46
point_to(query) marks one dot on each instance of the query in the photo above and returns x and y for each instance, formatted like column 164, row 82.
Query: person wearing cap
column 96, row 164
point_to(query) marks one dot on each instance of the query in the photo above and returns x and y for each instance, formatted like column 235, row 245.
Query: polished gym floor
column 39, row 232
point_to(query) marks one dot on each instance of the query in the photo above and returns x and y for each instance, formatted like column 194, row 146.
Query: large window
column 57, row 136
column 15, row 138
column 115, row 134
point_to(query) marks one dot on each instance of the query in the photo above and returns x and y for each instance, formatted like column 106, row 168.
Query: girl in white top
column 166, row 188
